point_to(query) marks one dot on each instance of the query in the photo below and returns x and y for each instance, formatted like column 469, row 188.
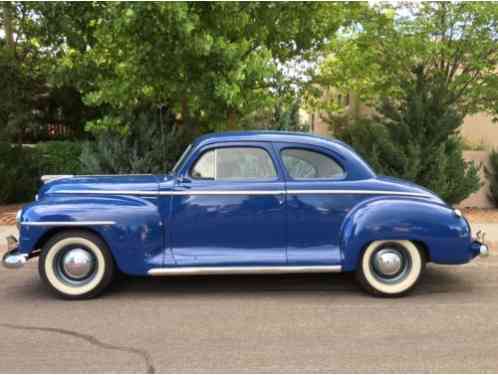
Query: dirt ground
column 8, row 214
column 481, row 215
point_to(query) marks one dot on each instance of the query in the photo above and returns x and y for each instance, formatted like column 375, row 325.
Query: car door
column 228, row 207
column 314, row 217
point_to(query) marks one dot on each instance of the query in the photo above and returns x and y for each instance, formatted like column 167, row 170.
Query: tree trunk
column 9, row 28
column 184, row 105
column 232, row 120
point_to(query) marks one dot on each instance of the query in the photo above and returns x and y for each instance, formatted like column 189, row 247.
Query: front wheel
column 76, row 265
column 390, row 268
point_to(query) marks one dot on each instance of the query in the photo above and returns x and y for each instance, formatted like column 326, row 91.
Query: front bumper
column 13, row 258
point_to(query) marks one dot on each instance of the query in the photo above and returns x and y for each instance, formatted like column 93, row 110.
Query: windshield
column 182, row 158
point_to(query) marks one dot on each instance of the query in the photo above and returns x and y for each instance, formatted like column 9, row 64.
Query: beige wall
column 479, row 129
column 479, row 198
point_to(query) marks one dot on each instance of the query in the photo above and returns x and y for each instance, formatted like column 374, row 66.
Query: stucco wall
column 479, row 198
column 479, row 129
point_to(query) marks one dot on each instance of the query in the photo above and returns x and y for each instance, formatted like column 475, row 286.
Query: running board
column 172, row 271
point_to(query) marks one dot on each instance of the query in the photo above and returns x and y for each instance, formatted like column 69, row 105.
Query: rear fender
column 445, row 235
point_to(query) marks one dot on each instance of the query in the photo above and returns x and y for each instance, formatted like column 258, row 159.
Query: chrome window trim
column 356, row 192
column 246, row 192
column 171, row 271
column 65, row 223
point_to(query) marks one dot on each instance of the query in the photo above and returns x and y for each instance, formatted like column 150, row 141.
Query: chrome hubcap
column 388, row 262
column 78, row 263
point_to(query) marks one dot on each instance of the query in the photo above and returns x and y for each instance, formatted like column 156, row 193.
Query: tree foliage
column 492, row 176
column 416, row 138
column 212, row 63
column 456, row 44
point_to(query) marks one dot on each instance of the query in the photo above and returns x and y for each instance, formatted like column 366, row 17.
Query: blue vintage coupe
column 251, row 202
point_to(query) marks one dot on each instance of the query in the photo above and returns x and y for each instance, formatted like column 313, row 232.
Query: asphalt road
column 254, row 323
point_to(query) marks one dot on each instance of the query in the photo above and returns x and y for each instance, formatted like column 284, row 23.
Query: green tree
column 211, row 63
column 416, row 138
column 456, row 43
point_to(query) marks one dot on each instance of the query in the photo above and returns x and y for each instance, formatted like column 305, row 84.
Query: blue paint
column 158, row 224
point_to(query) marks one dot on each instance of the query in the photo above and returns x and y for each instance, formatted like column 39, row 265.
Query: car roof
column 357, row 167
column 268, row 136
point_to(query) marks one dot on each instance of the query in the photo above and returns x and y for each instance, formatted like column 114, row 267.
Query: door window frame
column 265, row 146
column 317, row 150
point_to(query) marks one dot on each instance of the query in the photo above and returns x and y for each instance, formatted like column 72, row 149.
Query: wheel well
column 424, row 249
column 419, row 244
column 53, row 231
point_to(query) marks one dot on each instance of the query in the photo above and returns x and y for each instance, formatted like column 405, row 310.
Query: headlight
column 18, row 219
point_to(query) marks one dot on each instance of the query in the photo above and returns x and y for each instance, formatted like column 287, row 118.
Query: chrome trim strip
column 177, row 192
column 106, row 192
column 171, row 271
column 65, row 223
column 223, row 192
column 357, row 192
column 245, row 192
column 51, row 177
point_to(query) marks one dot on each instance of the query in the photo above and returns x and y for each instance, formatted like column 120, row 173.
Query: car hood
column 89, row 184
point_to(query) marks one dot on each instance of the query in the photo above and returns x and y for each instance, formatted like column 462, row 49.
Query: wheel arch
column 432, row 227
column 57, row 230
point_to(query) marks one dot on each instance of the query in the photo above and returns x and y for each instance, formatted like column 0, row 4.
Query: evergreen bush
column 59, row 157
column 147, row 144
column 416, row 138
column 19, row 171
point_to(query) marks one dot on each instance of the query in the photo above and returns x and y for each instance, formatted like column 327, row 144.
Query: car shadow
column 435, row 280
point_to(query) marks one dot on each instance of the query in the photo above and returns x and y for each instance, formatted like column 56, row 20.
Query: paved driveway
column 254, row 323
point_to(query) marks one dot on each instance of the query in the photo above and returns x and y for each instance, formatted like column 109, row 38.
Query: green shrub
column 147, row 145
column 19, row 174
column 416, row 138
column 22, row 167
column 59, row 157
column 492, row 176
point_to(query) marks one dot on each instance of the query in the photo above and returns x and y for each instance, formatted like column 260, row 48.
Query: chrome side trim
column 107, row 192
column 358, row 192
column 65, row 223
column 51, row 177
column 245, row 192
column 224, row 192
column 187, row 192
column 172, row 271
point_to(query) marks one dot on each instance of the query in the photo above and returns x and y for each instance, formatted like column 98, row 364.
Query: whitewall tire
column 390, row 268
column 76, row 264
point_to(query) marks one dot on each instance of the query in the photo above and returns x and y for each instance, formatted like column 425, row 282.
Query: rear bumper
column 13, row 258
column 480, row 249
column 479, row 245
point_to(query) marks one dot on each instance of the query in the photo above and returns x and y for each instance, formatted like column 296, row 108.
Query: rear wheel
column 76, row 265
column 390, row 268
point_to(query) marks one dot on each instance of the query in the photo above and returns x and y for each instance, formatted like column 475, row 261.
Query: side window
column 234, row 163
column 306, row 164
column 204, row 167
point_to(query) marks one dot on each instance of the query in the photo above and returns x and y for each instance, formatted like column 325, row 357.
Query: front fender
column 132, row 226
column 445, row 235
